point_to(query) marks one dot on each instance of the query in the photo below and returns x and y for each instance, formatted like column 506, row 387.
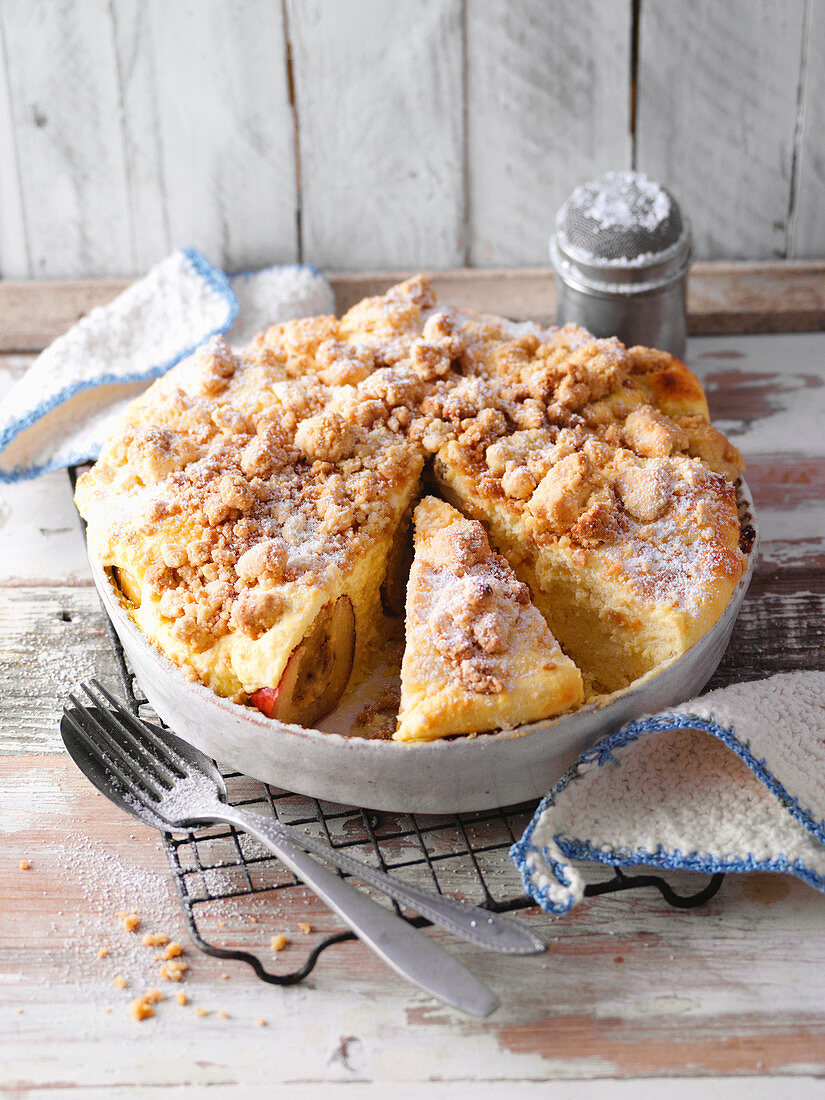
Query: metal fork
column 170, row 784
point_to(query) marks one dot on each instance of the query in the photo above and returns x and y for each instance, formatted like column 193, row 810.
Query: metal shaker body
column 621, row 252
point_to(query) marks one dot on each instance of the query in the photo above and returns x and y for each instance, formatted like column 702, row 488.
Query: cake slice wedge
column 478, row 655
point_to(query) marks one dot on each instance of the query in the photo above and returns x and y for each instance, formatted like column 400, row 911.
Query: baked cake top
column 240, row 471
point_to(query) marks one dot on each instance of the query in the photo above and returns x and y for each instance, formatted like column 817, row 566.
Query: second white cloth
column 731, row 781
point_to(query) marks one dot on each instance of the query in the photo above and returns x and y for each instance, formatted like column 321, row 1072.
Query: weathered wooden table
column 629, row 989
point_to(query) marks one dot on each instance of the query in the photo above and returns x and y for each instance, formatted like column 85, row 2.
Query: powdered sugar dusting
column 623, row 200
column 469, row 603
column 680, row 558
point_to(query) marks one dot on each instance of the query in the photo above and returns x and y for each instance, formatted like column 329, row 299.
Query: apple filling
column 317, row 671
column 127, row 584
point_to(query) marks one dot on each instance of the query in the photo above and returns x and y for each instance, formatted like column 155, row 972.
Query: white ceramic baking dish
column 468, row 773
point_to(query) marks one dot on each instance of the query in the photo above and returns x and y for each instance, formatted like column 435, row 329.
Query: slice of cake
column 479, row 656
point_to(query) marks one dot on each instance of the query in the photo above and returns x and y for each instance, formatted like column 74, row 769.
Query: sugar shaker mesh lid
column 621, row 216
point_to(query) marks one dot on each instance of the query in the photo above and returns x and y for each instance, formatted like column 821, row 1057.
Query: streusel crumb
column 129, row 921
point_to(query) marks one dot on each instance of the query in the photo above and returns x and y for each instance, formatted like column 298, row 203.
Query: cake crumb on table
column 119, row 981
column 279, row 942
column 130, row 921
column 261, row 1022
column 201, row 1011
column 223, row 1014
column 24, row 865
column 182, row 999
column 141, row 1009
column 174, row 970
column 155, row 939
column 173, row 950
column 305, row 927
column 102, row 952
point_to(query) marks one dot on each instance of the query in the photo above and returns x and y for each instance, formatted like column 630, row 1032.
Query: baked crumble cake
column 479, row 655
column 253, row 507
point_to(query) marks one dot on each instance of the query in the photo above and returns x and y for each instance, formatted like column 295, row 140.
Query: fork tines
column 144, row 732
column 123, row 745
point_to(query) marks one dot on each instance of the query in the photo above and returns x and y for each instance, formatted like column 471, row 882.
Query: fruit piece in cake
column 478, row 656
column 317, row 671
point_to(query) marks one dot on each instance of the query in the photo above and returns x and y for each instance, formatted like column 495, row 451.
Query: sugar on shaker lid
column 621, row 252
column 623, row 233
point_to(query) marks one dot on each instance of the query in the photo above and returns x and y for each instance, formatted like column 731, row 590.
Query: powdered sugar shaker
column 621, row 252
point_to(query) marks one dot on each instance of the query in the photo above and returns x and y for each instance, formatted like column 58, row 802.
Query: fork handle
column 409, row 952
column 472, row 923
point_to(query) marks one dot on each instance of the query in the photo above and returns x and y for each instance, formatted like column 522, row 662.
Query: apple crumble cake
column 254, row 507
column 479, row 655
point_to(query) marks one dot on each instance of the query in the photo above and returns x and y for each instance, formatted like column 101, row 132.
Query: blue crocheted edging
column 602, row 753
column 691, row 861
column 216, row 282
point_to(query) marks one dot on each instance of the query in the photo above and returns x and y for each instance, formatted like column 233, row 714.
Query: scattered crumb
column 173, row 950
column 201, row 1011
column 305, row 927
column 141, row 1008
column 119, row 981
column 130, row 921
column 155, row 995
column 279, row 942
column 102, row 952
column 182, row 999
column 221, row 924
column 19, row 1011
column 24, row 865
column 261, row 1022
column 155, row 939
column 223, row 1015
column 173, row 971
column 224, row 976
column 254, row 920
column 107, row 1008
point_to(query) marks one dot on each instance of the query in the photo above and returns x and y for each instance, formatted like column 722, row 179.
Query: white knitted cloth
column 731, row 781
column 67, row 404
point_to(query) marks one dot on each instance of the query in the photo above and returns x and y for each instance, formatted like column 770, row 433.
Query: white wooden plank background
column 357, row 134
column 807, row 223
column 717, row 109
column 379, row 102
column 548, row 105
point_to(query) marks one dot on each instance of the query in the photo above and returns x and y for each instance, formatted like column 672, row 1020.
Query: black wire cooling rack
column 463, row 855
